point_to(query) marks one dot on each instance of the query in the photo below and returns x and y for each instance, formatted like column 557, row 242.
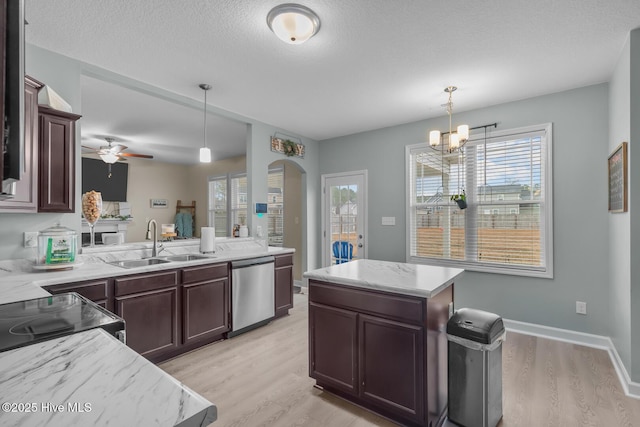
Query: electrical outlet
column 30, row 239
column 581, row 307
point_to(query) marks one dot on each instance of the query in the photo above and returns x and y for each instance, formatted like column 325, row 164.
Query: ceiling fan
column 112, row 153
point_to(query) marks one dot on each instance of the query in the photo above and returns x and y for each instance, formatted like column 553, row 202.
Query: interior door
column 344, row 219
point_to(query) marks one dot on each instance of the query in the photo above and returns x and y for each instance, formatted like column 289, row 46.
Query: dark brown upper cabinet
column 57, row 171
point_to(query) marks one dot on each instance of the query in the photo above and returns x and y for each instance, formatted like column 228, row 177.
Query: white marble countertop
column 93, row 371
column 397, row 277
column 19, row 281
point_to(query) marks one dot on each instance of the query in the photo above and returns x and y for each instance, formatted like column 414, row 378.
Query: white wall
column 580, row 127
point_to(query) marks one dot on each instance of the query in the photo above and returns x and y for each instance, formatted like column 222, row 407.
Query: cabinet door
column 392, row 365
column 151, row 321
column 205, row 308
column 333, row 347
column 26, row 197
column 57, row 172
column 284, row 289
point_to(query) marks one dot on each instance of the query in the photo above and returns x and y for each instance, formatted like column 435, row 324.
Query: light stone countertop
column 405, row 279
column 92, row 367
column 20, row 281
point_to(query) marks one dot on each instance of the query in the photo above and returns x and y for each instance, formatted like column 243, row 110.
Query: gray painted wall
column 580, row 127
column 634, row 202
column 619, row 224
column 63, row 74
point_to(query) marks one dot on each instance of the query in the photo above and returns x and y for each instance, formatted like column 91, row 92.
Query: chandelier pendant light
column 205, row 152
column 293, row 23
column 456, row 139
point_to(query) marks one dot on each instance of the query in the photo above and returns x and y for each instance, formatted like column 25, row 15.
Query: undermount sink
column 133, row 263
column 186, row 257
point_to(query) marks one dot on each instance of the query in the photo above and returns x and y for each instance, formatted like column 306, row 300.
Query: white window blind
column 506, row 227
column 238, row 205
column 218, row 206
column 275, row 207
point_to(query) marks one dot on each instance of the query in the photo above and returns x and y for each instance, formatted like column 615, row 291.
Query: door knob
column 359, row 245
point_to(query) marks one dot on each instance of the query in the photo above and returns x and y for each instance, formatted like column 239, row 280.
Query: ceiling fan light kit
column 205, row 152
column 293, row 23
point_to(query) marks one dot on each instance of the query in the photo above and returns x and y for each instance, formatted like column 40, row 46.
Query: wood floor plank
column 261, row 378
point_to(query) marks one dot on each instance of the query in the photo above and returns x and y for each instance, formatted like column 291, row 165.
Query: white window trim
column 548, row 215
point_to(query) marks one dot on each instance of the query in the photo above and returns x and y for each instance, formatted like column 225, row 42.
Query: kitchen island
column 377, row 336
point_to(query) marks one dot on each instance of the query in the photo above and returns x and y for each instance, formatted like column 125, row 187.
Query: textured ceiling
column 374, row 63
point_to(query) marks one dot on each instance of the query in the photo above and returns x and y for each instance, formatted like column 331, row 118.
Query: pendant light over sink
column 205, row 152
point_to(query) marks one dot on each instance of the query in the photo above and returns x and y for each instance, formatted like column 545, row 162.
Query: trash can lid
column 475, row 325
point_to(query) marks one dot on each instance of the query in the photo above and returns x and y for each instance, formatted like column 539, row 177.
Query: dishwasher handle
column 251, row 262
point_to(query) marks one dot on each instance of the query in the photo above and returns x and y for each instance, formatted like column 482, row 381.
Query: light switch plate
column 388, row 220
column 30, row 239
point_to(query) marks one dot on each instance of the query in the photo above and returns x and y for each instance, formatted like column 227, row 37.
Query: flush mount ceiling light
column 293, row 23
column 455, row 138
column 205, row 152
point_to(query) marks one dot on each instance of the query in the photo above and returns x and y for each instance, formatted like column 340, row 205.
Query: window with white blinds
column 218, row 206
column 275, row 207
column 238, row 199
column 506, row 178
column 228, row 204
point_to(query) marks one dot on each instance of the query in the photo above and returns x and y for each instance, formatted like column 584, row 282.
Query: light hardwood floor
column 261, row 378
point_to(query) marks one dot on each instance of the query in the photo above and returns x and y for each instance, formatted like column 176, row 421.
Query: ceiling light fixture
column 456, row 139
column 293, row 23
column 205, row 152
column 109, row 158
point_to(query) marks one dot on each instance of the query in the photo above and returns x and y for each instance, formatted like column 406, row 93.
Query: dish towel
column 179, row 225
column 187, row 225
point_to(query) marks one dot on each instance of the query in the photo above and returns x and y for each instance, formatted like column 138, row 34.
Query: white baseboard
column 631, row 389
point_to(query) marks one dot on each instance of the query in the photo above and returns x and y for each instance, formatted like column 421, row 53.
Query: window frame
column 546, row 130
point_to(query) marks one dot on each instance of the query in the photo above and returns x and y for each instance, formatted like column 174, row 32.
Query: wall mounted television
column 95, row 176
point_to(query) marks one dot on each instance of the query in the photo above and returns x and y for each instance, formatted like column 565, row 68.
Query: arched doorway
column 286, row 227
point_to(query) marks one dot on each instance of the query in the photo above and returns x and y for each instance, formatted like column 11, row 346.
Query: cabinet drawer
column 381, row 304
column 205, row 273
column 95, row 291
column 284, row 260
column 145, row 282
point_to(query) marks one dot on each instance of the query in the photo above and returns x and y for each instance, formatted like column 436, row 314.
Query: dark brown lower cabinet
column 391, row 369
column 205, row 299
column 150, row 306
column 332, row 329
column 383, row 351
column 99, row 291
column 283, row 283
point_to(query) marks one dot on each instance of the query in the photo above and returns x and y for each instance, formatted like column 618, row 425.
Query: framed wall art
column 617, row 172
column 159, row 203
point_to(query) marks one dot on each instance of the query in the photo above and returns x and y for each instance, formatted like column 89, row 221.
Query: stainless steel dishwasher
column 252, row 293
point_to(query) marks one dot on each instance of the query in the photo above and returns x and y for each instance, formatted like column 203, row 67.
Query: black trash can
column 475, row 368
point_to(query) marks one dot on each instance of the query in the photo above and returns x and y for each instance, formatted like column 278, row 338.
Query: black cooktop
column 35, row 320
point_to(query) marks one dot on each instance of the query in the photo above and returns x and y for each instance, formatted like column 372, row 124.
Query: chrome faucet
column 154, row 250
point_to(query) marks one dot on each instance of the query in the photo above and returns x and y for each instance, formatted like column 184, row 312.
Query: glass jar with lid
column 57, row 246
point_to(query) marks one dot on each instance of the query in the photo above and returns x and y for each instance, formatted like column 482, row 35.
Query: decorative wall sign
column 287, row 147
column 618, row 179
column 159, row 203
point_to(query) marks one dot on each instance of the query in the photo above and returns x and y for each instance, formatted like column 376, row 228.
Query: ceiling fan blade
column 143, row 156
column 118, row 148
column 90, row 148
